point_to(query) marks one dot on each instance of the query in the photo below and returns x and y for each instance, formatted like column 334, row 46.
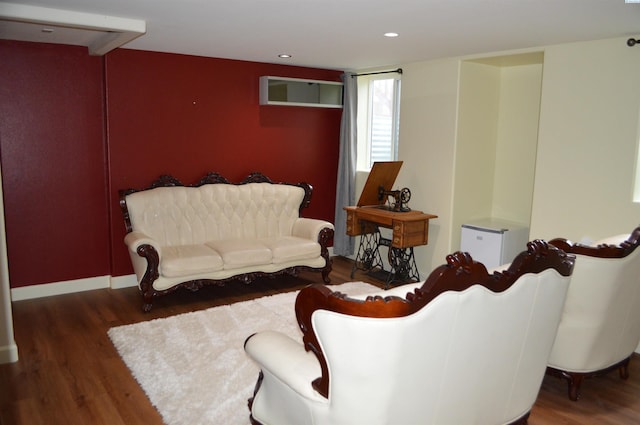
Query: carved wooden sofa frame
column 151, row 255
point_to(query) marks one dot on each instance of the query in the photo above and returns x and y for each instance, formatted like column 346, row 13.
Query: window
column 378, row 119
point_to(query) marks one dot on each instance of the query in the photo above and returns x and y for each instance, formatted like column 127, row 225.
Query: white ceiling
column 337, row 34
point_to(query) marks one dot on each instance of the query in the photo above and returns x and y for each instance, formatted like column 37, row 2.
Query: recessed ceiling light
column 390, row 34
column 284, row 56
column 47, row 30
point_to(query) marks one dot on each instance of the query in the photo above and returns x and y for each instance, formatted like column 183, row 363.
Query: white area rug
column 193, row 366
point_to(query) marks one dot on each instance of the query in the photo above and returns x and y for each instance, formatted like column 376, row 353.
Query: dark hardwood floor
column 70, row 373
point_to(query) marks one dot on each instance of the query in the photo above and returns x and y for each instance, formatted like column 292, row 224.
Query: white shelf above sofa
column 300, row 92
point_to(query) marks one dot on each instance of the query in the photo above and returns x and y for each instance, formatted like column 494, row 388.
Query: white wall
column 517, row 141
column 477, row 137
column 428, row 116
column 587, row 143
column 586, row 150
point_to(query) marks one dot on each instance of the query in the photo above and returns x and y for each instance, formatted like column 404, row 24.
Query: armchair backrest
column 465, row 348
column 600, row 325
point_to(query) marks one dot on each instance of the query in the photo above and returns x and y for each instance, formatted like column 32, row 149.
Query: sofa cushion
column 184, row 260
column 237, row 253
column 290, row 248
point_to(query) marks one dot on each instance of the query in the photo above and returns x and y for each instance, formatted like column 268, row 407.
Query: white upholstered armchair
column 600, row 325
column 465, row 347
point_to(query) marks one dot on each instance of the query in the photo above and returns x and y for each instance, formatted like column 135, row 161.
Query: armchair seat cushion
column 185, row 260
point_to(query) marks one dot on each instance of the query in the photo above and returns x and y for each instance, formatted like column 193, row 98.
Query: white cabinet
column 300, row 92
column 493, row 242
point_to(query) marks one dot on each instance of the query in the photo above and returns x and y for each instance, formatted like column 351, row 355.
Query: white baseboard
column 127, row 281
column 59, row 288
column 70, row 286
column 9, row 354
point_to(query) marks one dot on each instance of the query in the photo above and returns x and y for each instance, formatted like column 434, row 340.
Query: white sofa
column 216, row 231
column 600, row 326
column 465, row 347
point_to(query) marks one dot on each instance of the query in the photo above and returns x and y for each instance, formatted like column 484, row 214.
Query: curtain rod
column 399, row 71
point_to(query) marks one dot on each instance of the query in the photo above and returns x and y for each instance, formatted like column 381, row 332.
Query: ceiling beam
column 111, row 31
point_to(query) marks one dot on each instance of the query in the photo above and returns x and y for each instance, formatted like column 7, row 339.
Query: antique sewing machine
column 381, row 207
column 400, row 198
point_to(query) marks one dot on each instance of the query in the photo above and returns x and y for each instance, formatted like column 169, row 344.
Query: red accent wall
column 53, row 163
column 186, row 115
column 74, row 129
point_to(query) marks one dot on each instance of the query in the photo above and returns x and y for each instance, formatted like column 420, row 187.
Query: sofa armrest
column 280, row 356
column 135, row 239
column 309, row 228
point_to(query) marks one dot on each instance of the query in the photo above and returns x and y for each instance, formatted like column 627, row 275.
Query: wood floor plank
column 69, row 372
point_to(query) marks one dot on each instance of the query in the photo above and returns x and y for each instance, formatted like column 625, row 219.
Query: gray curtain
column 345, row 187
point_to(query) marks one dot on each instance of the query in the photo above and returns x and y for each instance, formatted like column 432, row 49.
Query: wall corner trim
column 9, row 354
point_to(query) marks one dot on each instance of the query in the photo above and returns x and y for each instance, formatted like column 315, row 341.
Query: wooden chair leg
column 575, row 378
column 575, row 381
column 624, row 369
